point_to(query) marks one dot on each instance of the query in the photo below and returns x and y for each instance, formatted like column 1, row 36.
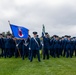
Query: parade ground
column 53, row 66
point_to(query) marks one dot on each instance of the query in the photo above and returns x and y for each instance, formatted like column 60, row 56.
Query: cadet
column 75, row 47
column 61, row 47
column 72, row 47
column 56, row 47
column 46, row 44
column 52, row 46
column 28, row 43
column 21, row 48
column 13, row 46
column 17, row 52
column 68, row 47
column 2, row 45
column 35, row 46
column 7, row 51
column 64, row 40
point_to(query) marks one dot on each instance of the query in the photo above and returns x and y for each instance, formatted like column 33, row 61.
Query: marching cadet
column 75, row 47
column 35, row 46
column 64, row 40
column 72, row 47
column 52, row 46
column 56, row 47
column 60, row 44
column 17, row 51
column 68, row 47
column 13, row 46
column 28, row 44
column 7, row 51
column 2, row 45
column 21, row 48
column 46, row 44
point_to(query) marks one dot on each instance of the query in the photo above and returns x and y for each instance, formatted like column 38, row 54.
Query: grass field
column 54, row 66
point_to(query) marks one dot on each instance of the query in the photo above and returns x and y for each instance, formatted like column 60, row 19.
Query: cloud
column 58, row 16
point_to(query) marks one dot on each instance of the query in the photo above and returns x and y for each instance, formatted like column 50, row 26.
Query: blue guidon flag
column 19, row 31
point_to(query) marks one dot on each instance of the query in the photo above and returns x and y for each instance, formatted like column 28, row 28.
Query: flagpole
column 15, row 42
column 42, row 40
column 9, row 22
column 43, row 33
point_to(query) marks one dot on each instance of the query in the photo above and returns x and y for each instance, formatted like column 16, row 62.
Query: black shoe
column 43, row 58
column 30, row 60
column 39, row 60
column 48, row 58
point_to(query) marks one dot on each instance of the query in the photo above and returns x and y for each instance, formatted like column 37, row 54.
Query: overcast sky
column 58, row 16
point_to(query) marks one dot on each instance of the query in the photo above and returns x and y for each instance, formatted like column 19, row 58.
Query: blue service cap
column 34, row 32
column 46, row 33
column 0, row 34
column 9, row 34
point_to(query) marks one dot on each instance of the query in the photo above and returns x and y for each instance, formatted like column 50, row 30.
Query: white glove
column 29, row 48
column 25, row 44
column 42, row 44
column 16, row 45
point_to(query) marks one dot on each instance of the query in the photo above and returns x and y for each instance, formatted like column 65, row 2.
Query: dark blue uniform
column 16, row 48
column 7, row 51
column 61, row 47
column 2, row 46
column 56, row 48
column 34, row 47
column 21, row 47
column 28, row 53
column 72, row 47
column 68, row 48
column 13, row 47
column 52, row 47
column 75, row 47
column 64, row 46
column 46, row 42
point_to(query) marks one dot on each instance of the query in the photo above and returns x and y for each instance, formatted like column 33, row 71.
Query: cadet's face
column 35, row 35
column 68, row 38
column 57, row 38
column 14, row 38
column 45, row 35
column 54, row 37
column 65, row 37
column 62, row 39
column 0, row 36
column 8, row 36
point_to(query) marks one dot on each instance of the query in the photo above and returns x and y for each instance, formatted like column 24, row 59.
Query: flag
column 43, row 30
column 19, row 31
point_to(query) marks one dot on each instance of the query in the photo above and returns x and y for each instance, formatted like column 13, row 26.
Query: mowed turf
column 53, row 66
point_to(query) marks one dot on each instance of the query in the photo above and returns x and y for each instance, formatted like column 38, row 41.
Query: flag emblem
column 20, row 32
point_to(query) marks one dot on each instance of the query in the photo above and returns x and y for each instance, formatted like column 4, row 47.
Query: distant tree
column 4, row 34
column 8, row 32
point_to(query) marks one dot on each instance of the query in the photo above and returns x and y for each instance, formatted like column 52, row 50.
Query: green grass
column 53, row 66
